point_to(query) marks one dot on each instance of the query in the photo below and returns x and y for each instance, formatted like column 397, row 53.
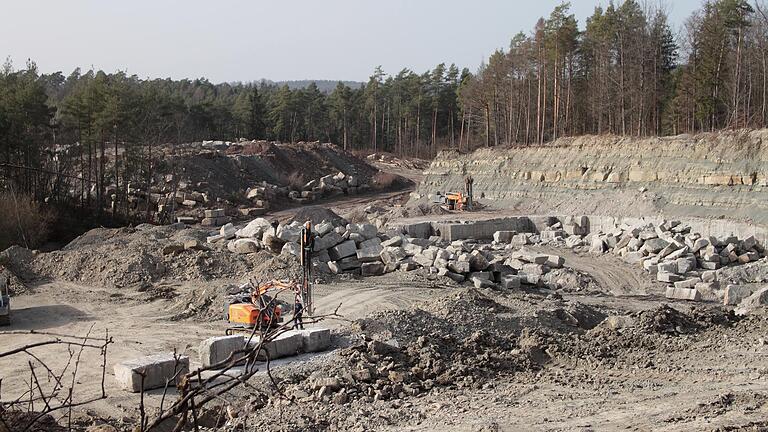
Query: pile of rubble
column 687, row 261
column 362, row 250
column 329, row 186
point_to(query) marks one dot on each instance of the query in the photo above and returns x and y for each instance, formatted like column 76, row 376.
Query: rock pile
column 363, row 250
column 688, row 262
column 329, row 186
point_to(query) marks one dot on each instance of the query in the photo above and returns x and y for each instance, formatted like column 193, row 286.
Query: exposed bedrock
column 711, row 175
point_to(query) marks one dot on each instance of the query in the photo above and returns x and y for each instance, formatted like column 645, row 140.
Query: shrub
column 295, row 181
column 24, row 222
column 384, row 180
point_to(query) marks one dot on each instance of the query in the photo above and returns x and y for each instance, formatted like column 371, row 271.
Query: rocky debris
column 670, row 252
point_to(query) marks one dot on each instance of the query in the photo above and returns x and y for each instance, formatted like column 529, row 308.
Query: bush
column 384, row 180
column 295, row 181
column 24, row 222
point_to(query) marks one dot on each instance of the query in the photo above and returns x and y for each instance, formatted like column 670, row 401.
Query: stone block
column 654, row 245
column 634, row 257
column 343, row 250
column 554, row 261
column 217, row 349
column 685, row 265
column 667, row 277
column 734, row 294
column 244, row 246
column 412, row 249
column 456, row 277
column 370, row 254
column 285, row 345
column 683, row 294
column 348, row 263
column 688, row 283
column 503, row 236
column 214, row 213
column 710, row 265
column 327, row 241
column 392, row 242
column 459, row 266
column 535, row 269
column 477, row 261
column 372, row 268
column 315, row 339
column 157, row 370
column 510, row 281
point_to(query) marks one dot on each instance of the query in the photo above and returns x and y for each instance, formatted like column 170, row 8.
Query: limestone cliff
column 721, row 174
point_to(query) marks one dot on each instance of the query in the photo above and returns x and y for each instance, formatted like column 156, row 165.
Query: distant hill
column 325, row 86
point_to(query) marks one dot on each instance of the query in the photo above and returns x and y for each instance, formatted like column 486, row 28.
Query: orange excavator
column 260, row 310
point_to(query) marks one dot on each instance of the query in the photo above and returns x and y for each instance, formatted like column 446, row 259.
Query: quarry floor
column 718, row 382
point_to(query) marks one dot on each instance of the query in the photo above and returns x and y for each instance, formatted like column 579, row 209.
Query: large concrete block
column 287, row 344
column 683, row 294
column 157, row 370
column 314, row 340
column 217, row 349
column 419, row 230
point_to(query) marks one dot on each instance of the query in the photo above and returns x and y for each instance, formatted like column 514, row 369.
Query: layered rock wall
column 714, row 175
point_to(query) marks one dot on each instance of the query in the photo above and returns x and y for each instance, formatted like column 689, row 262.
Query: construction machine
column 257, row 309
column 458, row 201
column 5, row 301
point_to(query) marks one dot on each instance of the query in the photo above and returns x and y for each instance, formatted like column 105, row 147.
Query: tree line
column 624, row 71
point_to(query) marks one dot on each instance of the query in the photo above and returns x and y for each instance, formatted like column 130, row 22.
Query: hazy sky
column 274, row 39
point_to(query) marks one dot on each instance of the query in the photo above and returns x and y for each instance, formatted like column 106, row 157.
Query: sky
column 240, row 40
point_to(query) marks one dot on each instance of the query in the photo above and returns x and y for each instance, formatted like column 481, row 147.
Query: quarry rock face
column 707, row 175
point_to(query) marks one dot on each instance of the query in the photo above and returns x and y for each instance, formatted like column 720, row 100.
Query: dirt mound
column 134, row 257
column 317, row 214
column 224, row 174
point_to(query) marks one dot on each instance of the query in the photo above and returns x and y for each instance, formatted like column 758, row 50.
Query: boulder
column 254, row 229
column 477, row 261
column 735, row 294
column 291, row 248
column 758, row 299
column 228, row 231
column 244, row 246
column 288, row 233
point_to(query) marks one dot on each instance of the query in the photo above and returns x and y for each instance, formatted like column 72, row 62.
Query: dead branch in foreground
column 50, row 391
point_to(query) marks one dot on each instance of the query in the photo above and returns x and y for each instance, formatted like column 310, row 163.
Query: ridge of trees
column 623, row 72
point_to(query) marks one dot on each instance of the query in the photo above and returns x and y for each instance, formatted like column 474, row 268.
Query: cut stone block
column 734, row 294
column 503, row 236
column 683, row 294
column 343, row 250
column 510, row 281
column 688, row 283
column 285, row 345
column 667, row 277
column 157, row 370
column 217, row 349
column 372, row 269
column 314, row 340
